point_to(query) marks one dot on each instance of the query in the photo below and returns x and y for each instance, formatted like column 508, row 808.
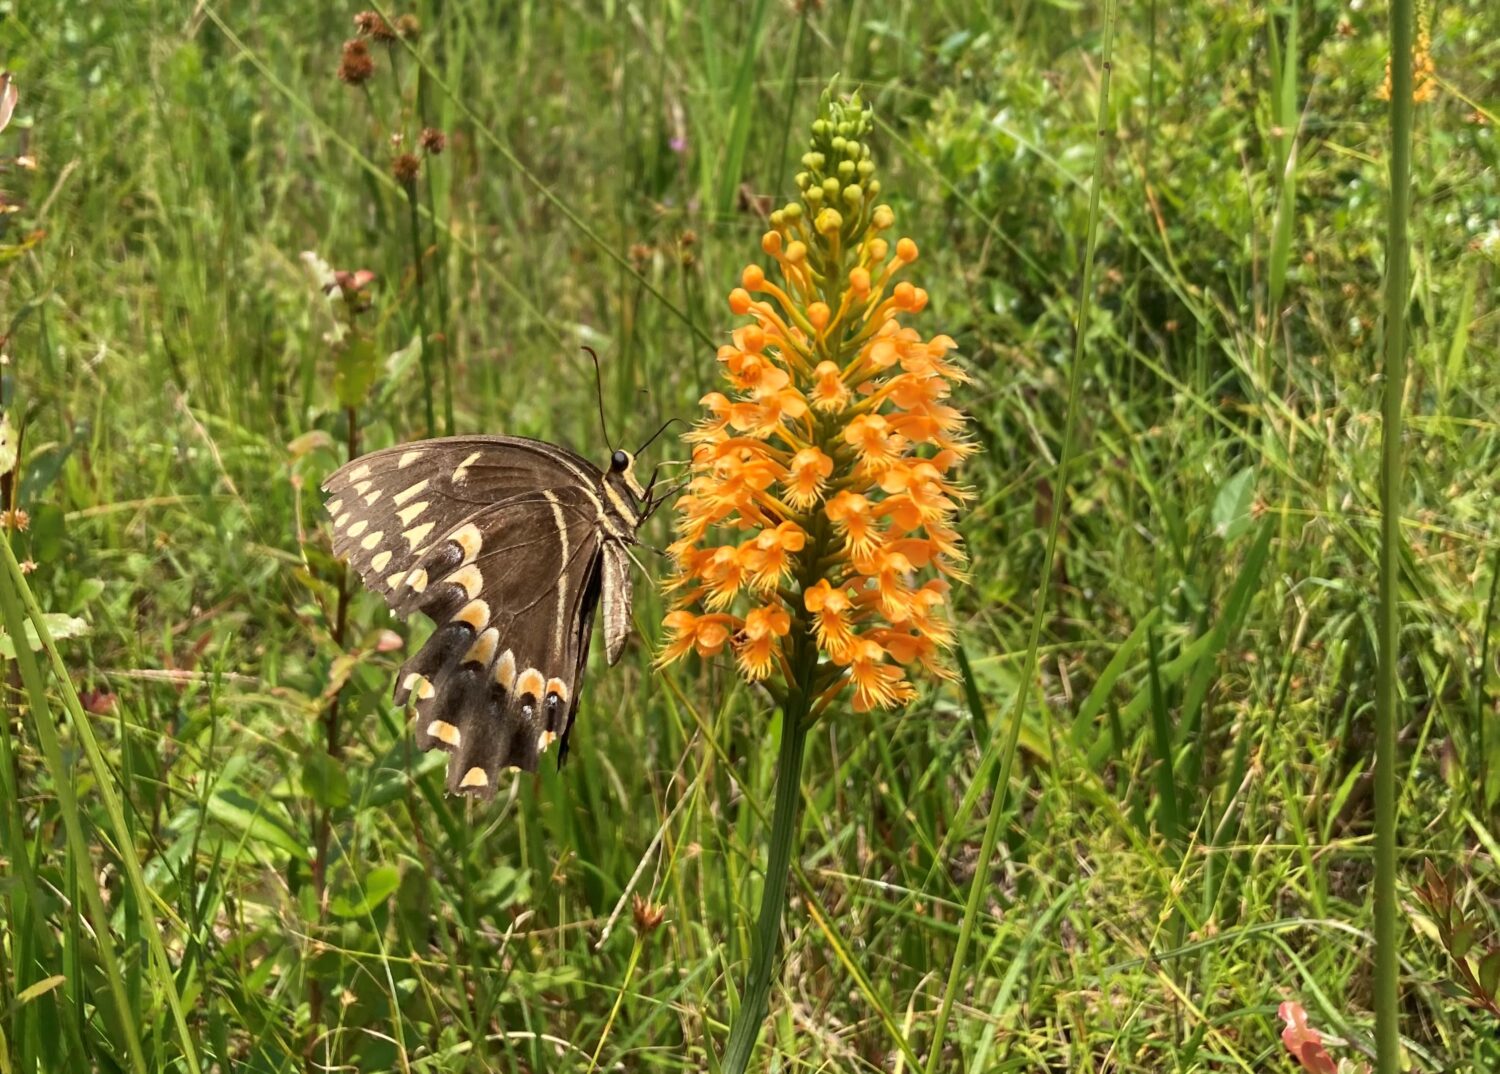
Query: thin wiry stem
column 1388, row 702
column 980, row 882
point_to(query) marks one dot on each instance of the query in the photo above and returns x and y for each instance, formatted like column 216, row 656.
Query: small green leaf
column 41, row 988
column 260, row 821
column 324, row 779
column 59, row 626
column 378, row 885
column 1231, row 513
column 1489, row 974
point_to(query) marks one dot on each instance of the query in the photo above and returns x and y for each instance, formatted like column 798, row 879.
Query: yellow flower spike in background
column 818, row 524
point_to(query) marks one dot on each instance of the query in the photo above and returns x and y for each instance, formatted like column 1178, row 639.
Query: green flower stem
column 1388, row 700
column 755, row 999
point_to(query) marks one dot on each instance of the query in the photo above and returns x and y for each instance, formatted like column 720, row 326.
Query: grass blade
column 1388, row 702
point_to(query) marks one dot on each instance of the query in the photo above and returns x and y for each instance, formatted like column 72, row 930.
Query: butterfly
column 509, row 545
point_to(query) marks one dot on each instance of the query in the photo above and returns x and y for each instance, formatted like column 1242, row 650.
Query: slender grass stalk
column 755, row 999
column 980, row 882
column 332, row 742
column 415, row 227
column 1388, row 701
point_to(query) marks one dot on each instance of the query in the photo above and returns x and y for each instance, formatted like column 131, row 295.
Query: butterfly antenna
column 658, row 432
column 599, row 395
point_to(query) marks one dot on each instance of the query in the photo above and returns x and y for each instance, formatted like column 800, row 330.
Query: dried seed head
column 409, row 26
column 406, row 167
column 357, row 66
column 370, row 24
column 648, row 915
column 433, row 141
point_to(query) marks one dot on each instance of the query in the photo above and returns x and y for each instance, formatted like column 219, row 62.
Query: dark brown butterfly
column 508, row 545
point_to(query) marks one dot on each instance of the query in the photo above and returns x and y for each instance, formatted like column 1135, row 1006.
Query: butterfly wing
column 501, row 542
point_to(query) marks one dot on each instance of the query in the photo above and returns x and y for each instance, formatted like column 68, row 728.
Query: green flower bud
column 829, row 221
column 803, row 178
column 839, row 145
column 831, row 187
column 873, row 188
column 778, row 219
column 819, row 127
column 846, row 170
column 814, row 197
column 866, row 169
column 792, row 212
column 853, row 195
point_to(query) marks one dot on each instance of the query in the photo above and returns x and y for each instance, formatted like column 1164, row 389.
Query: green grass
column 1184, row 835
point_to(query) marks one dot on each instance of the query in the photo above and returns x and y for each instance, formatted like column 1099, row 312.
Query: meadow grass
column 1124, row 860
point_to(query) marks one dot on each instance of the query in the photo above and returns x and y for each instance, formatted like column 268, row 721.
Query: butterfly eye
column 619, row 462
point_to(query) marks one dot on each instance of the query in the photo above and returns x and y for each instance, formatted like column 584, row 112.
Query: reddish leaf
column 1303, row 1041
column 97, row 702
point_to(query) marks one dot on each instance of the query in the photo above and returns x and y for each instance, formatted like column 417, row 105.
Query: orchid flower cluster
column 816, row 538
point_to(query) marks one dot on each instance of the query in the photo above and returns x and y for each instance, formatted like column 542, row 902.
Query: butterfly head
column 622, row 469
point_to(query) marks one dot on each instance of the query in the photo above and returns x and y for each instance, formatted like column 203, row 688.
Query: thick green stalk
column 755, row 999
column 1388, row 702
column 980, row 884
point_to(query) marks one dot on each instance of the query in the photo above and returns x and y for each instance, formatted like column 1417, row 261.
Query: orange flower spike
column 806, row 475
column 875, row 442
column 770, row 555
column 835, row 617
column 829, row 392
column 758, row 641
column 852, row 515
column 877, row 684
column 704, row 634
column 819, row 517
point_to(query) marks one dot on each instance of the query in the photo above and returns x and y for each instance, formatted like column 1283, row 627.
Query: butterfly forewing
column 506, row 544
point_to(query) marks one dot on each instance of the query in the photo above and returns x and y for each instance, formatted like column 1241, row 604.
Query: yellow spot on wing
column 558, row 687
column 505, row 669
column 359, row 527
column 371, row 541
column 362, row 470
column 372, row 497
column 380, row 560
column 341, row 521
column 461, row 471
column 476, row 613
column 406, row 514
column 363, row 487
column 469, row 539
column 483, row 649
column 417, row 580
column 334, row 507
column 394, row 580
column 530, row 682
column 407, row 458
column 406, row 494
column 417, row 682
column 444, row 731
column 416, row 535
column 468, row 577
column 474, row 777
column 545, row 740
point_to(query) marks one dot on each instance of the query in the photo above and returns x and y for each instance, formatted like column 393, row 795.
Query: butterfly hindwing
column 509, row 556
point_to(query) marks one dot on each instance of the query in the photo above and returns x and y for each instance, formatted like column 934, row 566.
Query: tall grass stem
column 1388, row 702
